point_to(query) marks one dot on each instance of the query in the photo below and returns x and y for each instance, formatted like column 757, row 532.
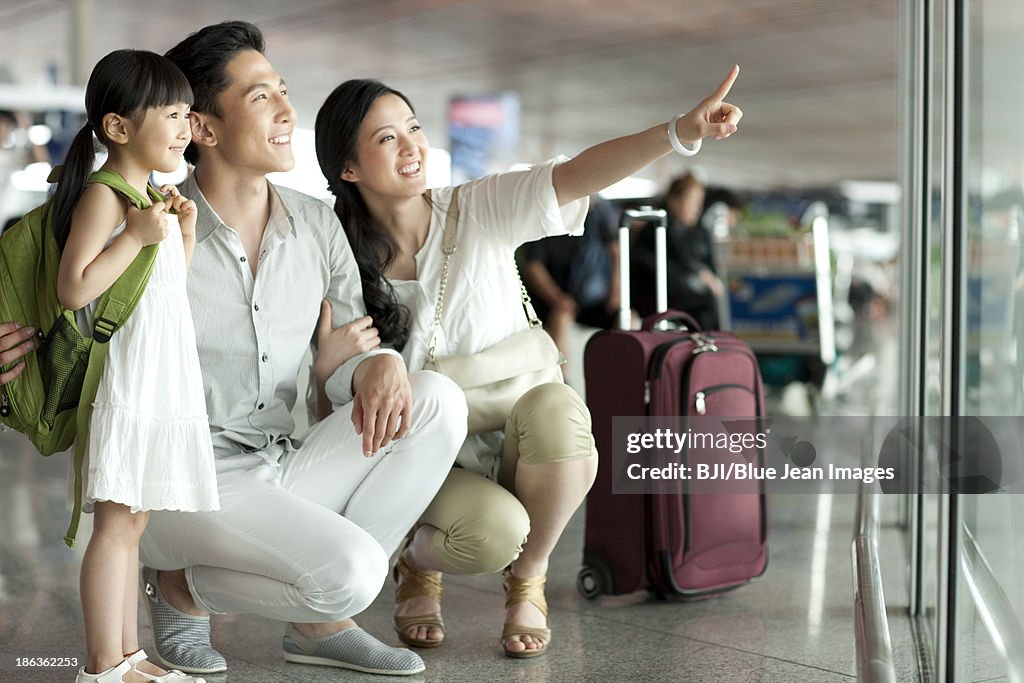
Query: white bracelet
column 678, row 146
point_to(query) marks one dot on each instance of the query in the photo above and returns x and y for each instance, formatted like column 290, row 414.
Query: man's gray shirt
column 252, row 333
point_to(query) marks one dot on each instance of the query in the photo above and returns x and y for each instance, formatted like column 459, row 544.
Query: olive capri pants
column 481, row 525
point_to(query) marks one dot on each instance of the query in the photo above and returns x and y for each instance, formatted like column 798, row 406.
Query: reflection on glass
column 993, row 355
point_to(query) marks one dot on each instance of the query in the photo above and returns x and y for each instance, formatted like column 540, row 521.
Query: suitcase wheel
column 594, row 580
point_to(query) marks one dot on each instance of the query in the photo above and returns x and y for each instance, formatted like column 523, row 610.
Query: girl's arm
column 190, row 247
column 87, row 266
column 186, row 211
column 597, row 167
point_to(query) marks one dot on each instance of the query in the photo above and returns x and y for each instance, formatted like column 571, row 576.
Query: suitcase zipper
column 700, row 396
column 685, row 405
column 703, row 343
column 664, row 563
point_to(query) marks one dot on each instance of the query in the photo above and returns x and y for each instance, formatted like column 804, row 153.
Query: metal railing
column 874, row 647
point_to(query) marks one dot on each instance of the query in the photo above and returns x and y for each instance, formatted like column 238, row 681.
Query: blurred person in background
column 576, row 279
column 693, row 286
column 16, row 152
column 716, row 200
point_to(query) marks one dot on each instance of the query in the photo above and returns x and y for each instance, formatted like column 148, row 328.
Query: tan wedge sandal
column 415, row 584
column 517, row 590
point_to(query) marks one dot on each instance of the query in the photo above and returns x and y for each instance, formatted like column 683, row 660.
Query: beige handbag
column 496, row 377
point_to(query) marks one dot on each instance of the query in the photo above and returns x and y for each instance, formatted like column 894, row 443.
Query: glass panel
column 931, row 370
column 993, row 341
column 908, row 276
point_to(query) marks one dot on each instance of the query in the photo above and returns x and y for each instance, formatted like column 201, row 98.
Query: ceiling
column 818, row 84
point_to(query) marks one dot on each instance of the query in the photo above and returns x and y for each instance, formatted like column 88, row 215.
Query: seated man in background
column 576, row 279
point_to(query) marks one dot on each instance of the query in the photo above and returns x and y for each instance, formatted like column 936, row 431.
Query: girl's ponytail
column 76, row 169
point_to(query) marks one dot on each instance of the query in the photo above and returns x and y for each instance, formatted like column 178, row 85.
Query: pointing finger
column 726, row 85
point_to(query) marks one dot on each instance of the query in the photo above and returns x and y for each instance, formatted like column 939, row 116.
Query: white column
column 82, row 34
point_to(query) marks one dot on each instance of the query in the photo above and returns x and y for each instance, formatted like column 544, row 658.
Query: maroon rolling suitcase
column 686, row 544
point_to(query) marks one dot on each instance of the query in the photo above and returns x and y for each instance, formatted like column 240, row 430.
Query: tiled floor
column 795, row 624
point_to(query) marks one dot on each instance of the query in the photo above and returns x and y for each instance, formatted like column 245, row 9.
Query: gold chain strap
column 531, row 314
column 448, row 245
column 439, row 307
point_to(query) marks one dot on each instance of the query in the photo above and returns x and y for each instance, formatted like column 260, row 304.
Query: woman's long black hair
column 125, row 82
column 337, row 129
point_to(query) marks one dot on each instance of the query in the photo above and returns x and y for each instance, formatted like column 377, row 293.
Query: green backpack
column 51, row 400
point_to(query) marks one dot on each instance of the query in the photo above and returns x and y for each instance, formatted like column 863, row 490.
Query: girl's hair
column 337, row 129
column 125, row 82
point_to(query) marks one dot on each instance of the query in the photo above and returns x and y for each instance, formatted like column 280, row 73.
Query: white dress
column 149, row 440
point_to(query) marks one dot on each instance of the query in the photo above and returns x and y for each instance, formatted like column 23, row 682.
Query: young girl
column 373, row 153
column 149, row 443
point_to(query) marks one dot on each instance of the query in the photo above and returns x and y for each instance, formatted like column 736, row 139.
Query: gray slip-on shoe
column 181, row 641
column 353, row 649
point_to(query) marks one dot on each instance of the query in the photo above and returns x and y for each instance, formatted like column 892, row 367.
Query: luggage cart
column 780, row 300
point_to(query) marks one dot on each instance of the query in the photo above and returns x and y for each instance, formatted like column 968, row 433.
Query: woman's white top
column 483, row 305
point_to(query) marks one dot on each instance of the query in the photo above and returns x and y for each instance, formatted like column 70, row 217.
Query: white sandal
column 172, row 676
column 114, row 674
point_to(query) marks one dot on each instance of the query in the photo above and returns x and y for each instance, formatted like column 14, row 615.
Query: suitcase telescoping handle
column 660, row 218
column 657, row 321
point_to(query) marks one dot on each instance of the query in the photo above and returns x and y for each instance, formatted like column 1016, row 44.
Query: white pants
column 308, row 540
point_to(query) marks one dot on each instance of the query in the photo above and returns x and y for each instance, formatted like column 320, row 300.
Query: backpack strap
column 112, row 310
column 118, row 302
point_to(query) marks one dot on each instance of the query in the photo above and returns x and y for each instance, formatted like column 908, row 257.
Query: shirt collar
column 281, row 219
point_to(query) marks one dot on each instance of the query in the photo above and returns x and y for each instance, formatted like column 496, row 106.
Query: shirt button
column 264, row 358
column 256, row 307
column 259, row 407
column 242, row 259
